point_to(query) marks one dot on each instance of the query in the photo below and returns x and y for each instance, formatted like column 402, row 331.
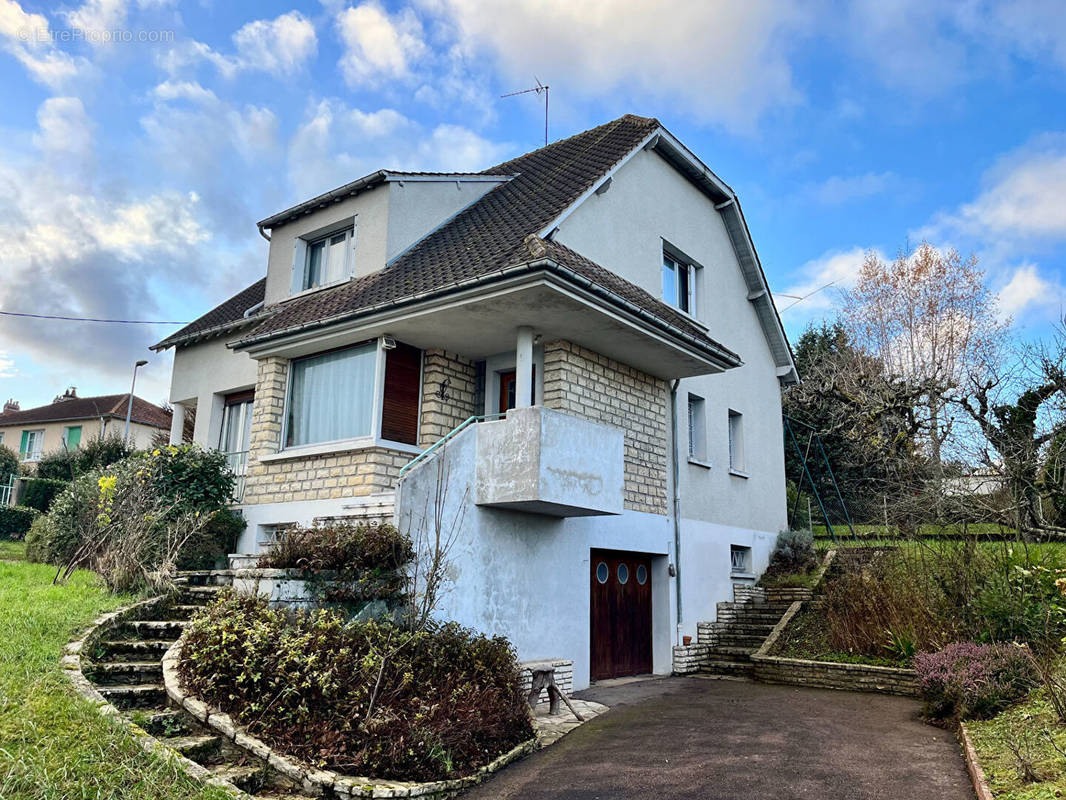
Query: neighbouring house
column 587, row 329
column 70, row 420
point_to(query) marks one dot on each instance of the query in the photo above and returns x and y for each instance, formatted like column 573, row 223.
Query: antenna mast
column 538, row 89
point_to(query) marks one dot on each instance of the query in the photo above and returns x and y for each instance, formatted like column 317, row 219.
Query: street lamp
column 129, row 407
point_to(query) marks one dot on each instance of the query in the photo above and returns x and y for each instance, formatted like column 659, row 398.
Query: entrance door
column 620, row 614
column 508, row 384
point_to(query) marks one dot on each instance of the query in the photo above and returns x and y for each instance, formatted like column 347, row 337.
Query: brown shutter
column 403, row 379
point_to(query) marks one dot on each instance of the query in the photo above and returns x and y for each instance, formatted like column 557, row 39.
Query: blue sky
column 142, row 139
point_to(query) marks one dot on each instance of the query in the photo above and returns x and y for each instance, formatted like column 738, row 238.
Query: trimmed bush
column 366, row 699
column 92, row 455
column 15, row 521
column 39, row 493
column 340, row 546
column 206, row 548
column 974, row 681
column 39, row 540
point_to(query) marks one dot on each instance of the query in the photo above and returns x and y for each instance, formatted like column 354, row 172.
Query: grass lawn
column 878, row 532
column 12, row 551
column 53, row 744
column 1026, row 727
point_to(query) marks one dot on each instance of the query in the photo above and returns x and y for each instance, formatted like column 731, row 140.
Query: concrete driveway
column 703, row 738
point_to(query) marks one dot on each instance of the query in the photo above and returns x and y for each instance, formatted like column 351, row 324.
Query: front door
column 620, row 616
column 508, row 384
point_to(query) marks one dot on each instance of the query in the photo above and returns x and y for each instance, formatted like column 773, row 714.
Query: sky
column 140, row 140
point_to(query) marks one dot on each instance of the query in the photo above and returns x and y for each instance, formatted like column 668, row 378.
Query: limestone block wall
column 326, row 476
column 586, row 384
column 448, row 387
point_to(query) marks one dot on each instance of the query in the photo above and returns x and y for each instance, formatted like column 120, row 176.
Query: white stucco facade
column 204, row 373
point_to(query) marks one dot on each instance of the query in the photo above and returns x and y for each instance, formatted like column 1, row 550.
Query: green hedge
column 16, row 520
column 217, row 540
column 40, row 492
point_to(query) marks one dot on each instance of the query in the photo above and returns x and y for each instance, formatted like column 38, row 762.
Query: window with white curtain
column 331, row 396
column 327, row 259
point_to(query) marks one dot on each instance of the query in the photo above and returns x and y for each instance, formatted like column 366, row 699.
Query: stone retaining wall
column 691, row 657
column 564, row 677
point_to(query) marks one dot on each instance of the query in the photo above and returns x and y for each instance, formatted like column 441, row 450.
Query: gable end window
column 736, row 441
column 323, row 260
column 697, row 429
column 679, row 284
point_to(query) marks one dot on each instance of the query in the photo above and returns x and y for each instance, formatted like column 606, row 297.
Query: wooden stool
column 544, row 678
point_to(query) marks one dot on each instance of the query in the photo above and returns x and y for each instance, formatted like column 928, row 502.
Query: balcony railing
column 238, row 464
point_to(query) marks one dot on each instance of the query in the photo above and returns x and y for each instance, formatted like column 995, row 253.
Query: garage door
column 620, row 614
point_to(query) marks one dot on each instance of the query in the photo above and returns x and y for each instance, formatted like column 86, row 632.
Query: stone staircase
column 724, row 647
column 125, row 668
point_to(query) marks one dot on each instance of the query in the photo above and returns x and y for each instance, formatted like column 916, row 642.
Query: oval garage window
column 623, row 573
column 602, row 573
column 642, row 574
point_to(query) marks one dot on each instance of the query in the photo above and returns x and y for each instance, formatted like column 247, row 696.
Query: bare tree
column 931, row 321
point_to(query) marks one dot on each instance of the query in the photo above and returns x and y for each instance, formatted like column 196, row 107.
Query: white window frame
column 32, row 455
column 691, row 271
column 736, row 444
column 697, row 430
column 739, row 559
column 326, row 241
column 301, row 257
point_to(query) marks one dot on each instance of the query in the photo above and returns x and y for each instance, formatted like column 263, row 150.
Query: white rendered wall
column 203, row 373
column 623, row 230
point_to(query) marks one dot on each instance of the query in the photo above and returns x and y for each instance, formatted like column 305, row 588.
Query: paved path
column 700, row 738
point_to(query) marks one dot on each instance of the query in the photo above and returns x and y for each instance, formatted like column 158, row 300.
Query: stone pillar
column 177, row 424
column 523, row 388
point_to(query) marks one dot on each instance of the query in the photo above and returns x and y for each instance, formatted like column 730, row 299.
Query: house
column 586, row 327
column 70, row 420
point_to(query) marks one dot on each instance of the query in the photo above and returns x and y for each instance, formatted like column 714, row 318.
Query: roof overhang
column 369, row 182
column 207, row 333
column 665, row 144
column 481, row 320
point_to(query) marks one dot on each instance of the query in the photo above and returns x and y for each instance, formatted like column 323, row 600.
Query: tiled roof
column 220, row 317
column 108, row 405
column 489, row 236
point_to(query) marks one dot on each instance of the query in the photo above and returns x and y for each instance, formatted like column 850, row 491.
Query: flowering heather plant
column 974, row 681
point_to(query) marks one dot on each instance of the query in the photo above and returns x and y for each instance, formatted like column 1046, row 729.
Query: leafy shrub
column 15, row 521
column 213, row 542
column 68, row 523
column 973, row 681
column 362, row 698
column 92, row 455
column 39, row 493
column 1023, row 603
column 39, row 540
column 188, row 476
column 9, row 463
column 794, row 553
column 340, row 546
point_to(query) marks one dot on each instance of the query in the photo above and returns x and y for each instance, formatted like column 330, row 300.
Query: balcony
column 545, row 462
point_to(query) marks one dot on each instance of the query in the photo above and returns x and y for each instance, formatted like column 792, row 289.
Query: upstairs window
column 322, row 260
column 736, row 441
column 697, row 428
column 679, row 284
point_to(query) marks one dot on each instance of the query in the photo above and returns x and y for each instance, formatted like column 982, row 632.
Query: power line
column 96, row 319
column 799, row 300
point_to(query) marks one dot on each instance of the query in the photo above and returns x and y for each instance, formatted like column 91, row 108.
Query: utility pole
column 129, row 406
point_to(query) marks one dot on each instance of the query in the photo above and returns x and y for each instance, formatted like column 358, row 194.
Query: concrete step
column 733, row 668
column 198, row 595
column 739, row 640
column 184, row 612
column 246, row 777
column 195, row 746
column 155, row 628
column 205, row 577
column 728, row 653
column 169, row 723
column 128, row 672
column 740, row 627
column 141, row 695
column 141, row 649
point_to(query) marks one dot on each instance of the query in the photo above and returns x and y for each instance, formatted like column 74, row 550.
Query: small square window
column 697, row 428
column 736, row 441
column 739, row 559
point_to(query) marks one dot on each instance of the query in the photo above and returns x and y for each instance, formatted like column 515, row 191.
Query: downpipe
column 675, row 470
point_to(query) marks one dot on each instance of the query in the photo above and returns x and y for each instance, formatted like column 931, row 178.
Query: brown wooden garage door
column 620, row 614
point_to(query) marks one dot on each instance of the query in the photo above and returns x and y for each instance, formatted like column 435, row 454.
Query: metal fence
column 7, row 491
column 238, row 464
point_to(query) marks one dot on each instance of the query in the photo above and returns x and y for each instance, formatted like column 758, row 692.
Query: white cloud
column 64, row 129
column 27, row 37
column 1028, row 290
column 7, row 365
column 184, row 90
column 378, row 45
column 838, row 189
column 1021, row 198
column 97, row 16
column 280, row 46
column 817, row 284
column 336, row 144
column 719, row 60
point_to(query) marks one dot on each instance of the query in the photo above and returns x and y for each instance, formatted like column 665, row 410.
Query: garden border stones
column 973, row 765
column 321, row 781
column 828, row 674
column 71, row 664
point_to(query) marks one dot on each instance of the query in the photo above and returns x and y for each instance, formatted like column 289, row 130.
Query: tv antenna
column 538, row 89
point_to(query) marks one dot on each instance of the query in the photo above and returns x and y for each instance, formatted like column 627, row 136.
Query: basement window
column 739, row 559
